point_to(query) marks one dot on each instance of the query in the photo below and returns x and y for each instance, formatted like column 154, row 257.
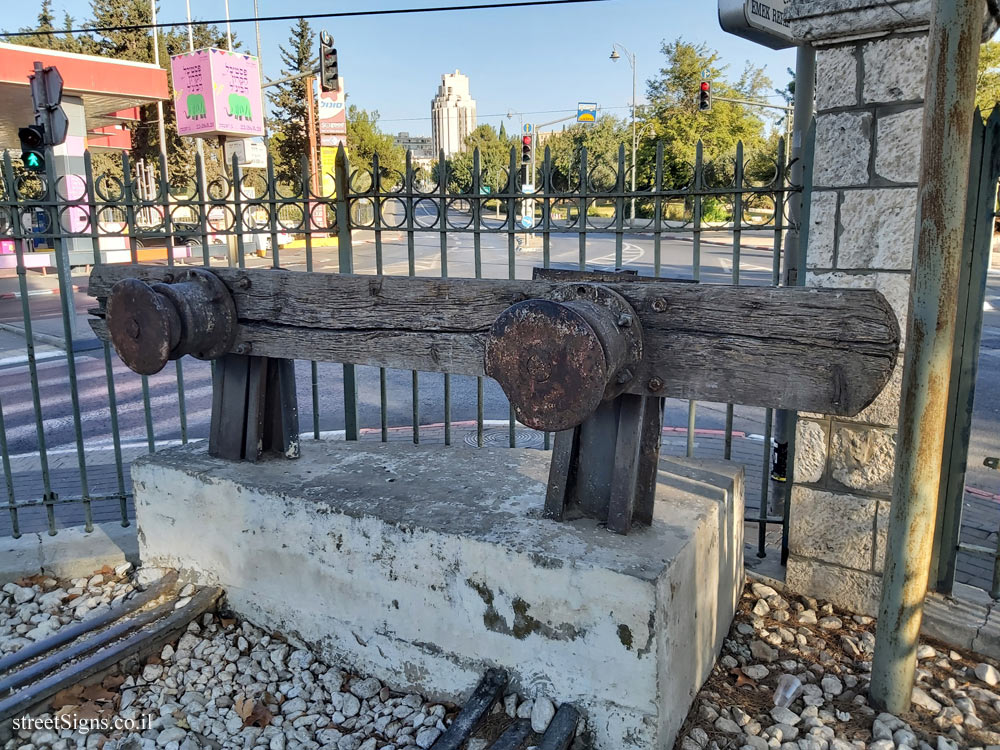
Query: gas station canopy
column 111, row 90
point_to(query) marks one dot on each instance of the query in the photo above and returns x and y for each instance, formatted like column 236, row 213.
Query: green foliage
column 494, row 161
column 674, row 118
column 364, row 140
column 603, row 141
column 988, row 79
column 290, row 101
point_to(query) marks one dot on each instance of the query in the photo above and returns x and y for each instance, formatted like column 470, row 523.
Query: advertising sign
column 217, row 92
column 586, row 112
column 761, row 21
column 333, row 112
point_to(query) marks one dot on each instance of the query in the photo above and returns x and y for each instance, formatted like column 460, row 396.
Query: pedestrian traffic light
column 32, row 147
column 526, row 145
column 705, row 96
column 329, row 77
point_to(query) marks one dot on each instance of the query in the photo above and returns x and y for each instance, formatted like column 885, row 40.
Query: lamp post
column 630, row 56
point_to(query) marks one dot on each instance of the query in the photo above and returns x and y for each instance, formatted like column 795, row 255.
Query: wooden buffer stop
column 588, row 356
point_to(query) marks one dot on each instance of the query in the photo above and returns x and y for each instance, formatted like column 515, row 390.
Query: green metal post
column 953, row 54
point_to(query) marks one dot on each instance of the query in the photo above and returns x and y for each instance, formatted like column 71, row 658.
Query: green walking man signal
column 33, row 147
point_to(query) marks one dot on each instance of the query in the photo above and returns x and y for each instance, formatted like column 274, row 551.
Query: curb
column 71, row 553
column 37, row 292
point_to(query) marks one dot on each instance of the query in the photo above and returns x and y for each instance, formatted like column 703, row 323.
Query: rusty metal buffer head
column 150, row 324
column 557, row 359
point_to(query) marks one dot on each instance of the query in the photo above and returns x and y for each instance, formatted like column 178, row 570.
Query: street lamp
column 630, row 56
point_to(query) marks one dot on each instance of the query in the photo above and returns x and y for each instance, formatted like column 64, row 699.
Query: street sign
column 761, row 21
column 528, row 128
column 485, row 190
column 586, row 112
column 46, row 94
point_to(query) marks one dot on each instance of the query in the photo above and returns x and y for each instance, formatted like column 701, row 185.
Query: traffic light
column 33, row 147
column 705, row 96
column 526, row 146
column 329, row 77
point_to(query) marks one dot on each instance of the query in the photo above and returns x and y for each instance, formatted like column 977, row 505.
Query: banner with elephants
column 217, row 92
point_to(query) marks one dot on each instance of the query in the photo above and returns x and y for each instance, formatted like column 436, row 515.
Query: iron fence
column 709, row 222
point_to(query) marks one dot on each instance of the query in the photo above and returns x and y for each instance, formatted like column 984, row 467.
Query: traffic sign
column 761, row 21
column 46, row 93
column 528, row 128
column 586, row 112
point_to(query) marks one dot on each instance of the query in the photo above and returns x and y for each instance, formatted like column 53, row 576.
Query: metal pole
column 311, row 124
column 229, row 30
column 805, row 94
column 635, row 142
column 161, row 130
column 953, row 53
column 260, row 62
column 199, row 141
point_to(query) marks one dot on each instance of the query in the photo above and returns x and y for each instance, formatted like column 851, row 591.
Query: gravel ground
column 37, row 607
column 956, row 699
column 228, row 684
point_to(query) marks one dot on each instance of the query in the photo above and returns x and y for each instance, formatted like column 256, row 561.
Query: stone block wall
column 869, row 102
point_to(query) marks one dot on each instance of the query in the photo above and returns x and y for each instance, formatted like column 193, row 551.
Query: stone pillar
column 871, row 67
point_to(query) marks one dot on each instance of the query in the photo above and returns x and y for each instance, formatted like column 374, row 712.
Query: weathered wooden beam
column 820, row 350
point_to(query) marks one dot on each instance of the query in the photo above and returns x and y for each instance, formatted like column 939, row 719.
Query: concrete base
column 423, row 566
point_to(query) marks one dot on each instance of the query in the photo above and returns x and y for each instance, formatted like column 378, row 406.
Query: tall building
column 453, row 113
column 419, row 145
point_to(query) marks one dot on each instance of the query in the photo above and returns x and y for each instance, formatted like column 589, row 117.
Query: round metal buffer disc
column 144, row 326
column 549, row 362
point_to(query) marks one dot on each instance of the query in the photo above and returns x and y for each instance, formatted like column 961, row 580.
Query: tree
column 674, row 118
column 365, row 139
column 44, row 35
column 494, row 161
column 602, row 140
column 988, row 79
column 291, row 104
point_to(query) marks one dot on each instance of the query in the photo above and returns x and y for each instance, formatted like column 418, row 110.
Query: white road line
column 727, row 266
column 22, row 359
column 987, row 307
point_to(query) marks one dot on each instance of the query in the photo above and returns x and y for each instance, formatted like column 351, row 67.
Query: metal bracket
column 254, row 408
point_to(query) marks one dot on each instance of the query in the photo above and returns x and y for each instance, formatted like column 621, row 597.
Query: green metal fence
column 710, row 222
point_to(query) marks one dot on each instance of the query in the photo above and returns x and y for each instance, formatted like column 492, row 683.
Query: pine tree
column 290, row 140
column 42, row 36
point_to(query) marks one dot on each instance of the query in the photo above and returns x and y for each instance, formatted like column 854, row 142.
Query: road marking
column 630, row 254
column 987, row 307
column 727, row 266
column 22, row 359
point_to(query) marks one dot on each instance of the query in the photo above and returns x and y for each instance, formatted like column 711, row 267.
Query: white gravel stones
column 798, row 641
column 988, row 674
column 229, row 685
column 541, row 714
column 37, row 607
column 782, row 715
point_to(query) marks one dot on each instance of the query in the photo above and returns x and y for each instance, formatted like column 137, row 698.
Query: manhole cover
column 500, row 438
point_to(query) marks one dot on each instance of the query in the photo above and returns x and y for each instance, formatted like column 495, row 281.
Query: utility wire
column 296, row 16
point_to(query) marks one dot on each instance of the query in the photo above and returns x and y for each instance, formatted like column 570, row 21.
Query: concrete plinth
column 423, row 566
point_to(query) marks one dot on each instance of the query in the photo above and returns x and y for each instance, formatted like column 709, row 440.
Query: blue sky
column 526, row 60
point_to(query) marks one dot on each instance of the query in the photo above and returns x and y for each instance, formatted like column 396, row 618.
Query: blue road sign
column 586, row 112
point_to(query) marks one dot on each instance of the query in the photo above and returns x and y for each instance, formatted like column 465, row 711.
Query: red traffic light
column 705, row 86
column 526, row 140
